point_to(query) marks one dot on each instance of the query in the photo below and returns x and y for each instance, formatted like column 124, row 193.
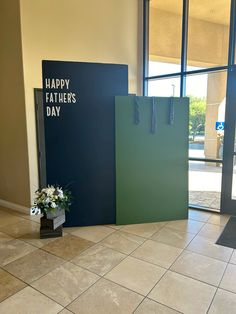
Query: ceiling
column 214, row 11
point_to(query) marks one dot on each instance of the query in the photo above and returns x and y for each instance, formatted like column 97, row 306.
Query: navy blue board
column 80, row 135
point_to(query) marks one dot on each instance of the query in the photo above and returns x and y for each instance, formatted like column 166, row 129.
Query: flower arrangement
column 51, row 198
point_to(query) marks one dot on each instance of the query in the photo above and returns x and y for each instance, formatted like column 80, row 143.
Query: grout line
column 146, row 239
column 57, row 301
column 126, row 255
column 216, row 258
column 166, row 305
column 157, row 302
column 212, row 300
column 226, row 268
column 139, row 305
column 189, row 276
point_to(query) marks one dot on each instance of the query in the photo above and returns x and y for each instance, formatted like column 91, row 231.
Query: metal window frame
column 183, row 72
column 184, row 47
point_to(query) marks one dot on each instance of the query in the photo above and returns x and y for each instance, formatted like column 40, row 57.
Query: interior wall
column 14, row 172
column 76, row 30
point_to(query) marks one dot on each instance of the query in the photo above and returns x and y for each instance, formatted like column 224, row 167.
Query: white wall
column 106, row 31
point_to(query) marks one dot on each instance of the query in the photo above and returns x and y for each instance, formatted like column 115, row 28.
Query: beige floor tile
column 157, row 253
column 4, row 238
column 93, row 233
column 65, row 283
column 198, row 215
column 173, row 237
column 9, row 285
column 21, row 228
column 220, row 220
column 34, row 265
column 151, row 307
column 123, row 241
column 69, row 230
column 116, row 227
column 12, row 250
column 233, row 258
column 7, row 219
column 67, row 247
column 229, row 280
column 211, row 231
column 99, row 259
column 183, row 294
column 33, row 238
column 106, row 297
column 29, row 301
column 187, row 225
column 200, row 267
column 223, row 303
column 65, row 311
column 144, row 230
column 9, row 212
column 208, row 247
column 35, row 218
column 3, row 211
column 136, row 275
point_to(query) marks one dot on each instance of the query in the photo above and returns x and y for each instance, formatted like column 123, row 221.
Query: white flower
column 60, row 193
column 50, row 198
column 50, row 190
column 53, row 205
column 47, row 200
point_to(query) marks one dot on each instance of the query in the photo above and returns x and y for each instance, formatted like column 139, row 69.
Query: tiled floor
column 167, row 268
column 205, row 198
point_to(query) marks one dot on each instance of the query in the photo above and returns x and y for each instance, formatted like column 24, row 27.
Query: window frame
column 184, row 47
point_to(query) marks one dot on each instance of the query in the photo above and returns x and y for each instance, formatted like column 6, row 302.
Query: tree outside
column 197, row 113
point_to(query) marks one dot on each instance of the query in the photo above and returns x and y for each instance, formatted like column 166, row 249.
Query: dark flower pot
column 51, row 224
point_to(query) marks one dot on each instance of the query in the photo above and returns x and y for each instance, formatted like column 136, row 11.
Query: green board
column 151, row 168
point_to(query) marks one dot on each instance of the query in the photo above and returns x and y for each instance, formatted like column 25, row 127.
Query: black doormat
column 228, row 235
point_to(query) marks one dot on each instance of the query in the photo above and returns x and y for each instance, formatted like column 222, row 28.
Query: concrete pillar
column 216, row 91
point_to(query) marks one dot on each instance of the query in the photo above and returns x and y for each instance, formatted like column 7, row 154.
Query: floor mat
column 228, row 236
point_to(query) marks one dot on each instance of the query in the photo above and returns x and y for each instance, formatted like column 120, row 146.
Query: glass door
column 207, row 94
column 228, row 201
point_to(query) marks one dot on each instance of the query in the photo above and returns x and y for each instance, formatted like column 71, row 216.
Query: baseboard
column 16, row 207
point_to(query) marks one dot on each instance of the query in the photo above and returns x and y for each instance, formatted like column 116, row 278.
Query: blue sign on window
column 220, row 126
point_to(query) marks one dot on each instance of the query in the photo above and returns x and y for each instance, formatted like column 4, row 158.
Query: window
column 188, row 53
column 164, row 87
column 165, row 32
column 208, row 33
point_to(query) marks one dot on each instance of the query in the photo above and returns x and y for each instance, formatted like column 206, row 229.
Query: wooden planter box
column 50, row 233
column 51, row 224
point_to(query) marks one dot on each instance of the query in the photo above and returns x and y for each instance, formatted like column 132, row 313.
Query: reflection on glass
column 165, row 33
column 208, row 34
column 234, row 180
column 204, row 184
column 164, row 88
column 207, row 106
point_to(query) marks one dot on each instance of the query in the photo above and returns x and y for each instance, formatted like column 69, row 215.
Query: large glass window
column 208, row 33
column 187, row 50
column 205, row 184
column 207, row 94
column 233, row 192
column 234, row 180
column 165, row 29
column 164, row 87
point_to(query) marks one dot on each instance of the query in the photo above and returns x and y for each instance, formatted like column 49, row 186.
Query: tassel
column 136, row 110
column 171, row 111
column 154, row 116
